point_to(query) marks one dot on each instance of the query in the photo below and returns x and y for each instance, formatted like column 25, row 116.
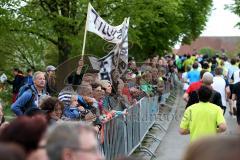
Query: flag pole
column 85, row 35
column 126, row 21
column 118, row 57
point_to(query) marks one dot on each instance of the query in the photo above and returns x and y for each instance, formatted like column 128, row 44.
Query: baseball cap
column 207, row 78
column 50, row 68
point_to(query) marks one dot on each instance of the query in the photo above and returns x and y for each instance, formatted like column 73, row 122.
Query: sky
column 221, row 22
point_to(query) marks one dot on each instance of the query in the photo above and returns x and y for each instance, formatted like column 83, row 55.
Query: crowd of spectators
column 69, row 113
column 69, row 124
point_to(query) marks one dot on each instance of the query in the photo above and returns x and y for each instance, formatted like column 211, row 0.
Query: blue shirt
column 82, row 102
column 231, row 70
column 193, row 76
column 28, row 80
column 19, row 106
column 72, row 112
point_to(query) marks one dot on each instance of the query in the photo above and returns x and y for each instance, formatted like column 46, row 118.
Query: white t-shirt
column 236, row 76
column 227, row 65
column 184, row 77
column 231, row 70
column 219, row 84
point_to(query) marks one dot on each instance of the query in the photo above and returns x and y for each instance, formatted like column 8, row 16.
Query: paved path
column 173, row 144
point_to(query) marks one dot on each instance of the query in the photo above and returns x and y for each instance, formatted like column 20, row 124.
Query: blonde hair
column 74, row 95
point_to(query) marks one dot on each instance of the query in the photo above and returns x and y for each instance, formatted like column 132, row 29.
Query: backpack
column 20, row 93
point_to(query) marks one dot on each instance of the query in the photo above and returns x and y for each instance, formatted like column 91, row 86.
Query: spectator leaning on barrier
column 145, row 82
column 203, row 118
column 125, row 87
column 98, row 92
column 107, row 87
column 88, row 102
column 98, row 95
column 85, row 89
column 31, row 96
column 73, row 111
column 53, row 109
column 154, row 61
column 121, row 87
column 109, row 107
column 66, row 94
column 72, row 141
column 155, row 76
column 133, row 67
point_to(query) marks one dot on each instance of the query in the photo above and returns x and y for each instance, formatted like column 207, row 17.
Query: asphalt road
column 174, row 145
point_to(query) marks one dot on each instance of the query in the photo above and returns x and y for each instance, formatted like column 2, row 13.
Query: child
column 73, row 112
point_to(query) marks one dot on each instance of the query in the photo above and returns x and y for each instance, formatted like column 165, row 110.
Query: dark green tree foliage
column 235, row 8
column 195, row 14
column 55, row 28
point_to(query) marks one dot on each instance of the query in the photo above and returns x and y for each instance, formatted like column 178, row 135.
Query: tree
column 155, row 26
column 209, row 51
column 235, row 8
column 195, row 13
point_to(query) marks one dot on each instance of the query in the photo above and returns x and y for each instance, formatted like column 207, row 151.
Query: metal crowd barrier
column 123, row 134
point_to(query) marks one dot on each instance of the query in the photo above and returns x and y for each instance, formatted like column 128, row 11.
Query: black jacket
column 215, row 98
column 17, row 83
